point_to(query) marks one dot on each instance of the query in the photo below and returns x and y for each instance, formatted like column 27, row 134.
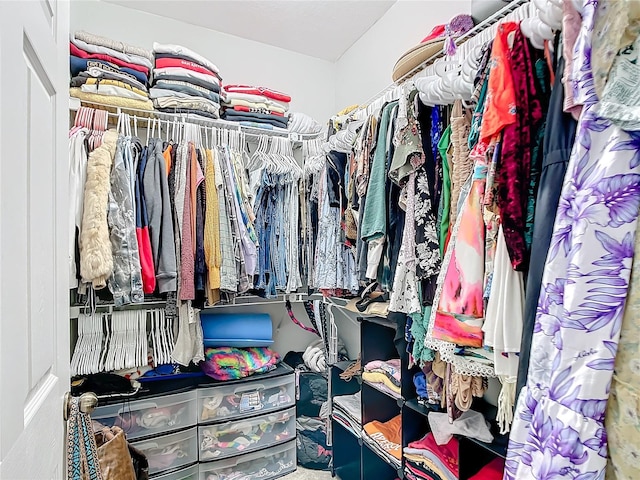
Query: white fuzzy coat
column 96, row 258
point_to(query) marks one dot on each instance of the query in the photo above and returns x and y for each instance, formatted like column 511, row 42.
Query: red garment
column 265, row 92
column 146, row 260
column 447, row 453
column 180, row 63
column 500, row 104
column 492, row 471
column 107, row 58
column 513, row 171
column 242, row 108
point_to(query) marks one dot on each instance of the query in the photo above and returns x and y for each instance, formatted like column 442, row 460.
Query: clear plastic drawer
column 151, row 416
column 241, row 436
column 264, row 464
column 189, row 473
column 170, row 451
column 226, row 402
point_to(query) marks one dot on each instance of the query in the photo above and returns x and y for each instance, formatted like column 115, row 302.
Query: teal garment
column 445, row 198
column 374, row 217
column 421, row 354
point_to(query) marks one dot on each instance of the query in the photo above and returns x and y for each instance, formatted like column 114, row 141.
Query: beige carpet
column 304, row 474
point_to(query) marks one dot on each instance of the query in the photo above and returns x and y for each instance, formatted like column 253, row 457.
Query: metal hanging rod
column 255, row 132
column 474, row 32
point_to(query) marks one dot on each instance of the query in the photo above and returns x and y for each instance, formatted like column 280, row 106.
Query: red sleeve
column 107, row 58
column 180, row 63
column 146, row 260
column 265, row 92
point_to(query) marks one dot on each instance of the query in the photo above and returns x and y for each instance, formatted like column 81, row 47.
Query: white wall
column 309, row 81
column 366, row 67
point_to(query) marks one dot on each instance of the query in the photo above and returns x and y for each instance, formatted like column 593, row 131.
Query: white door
column 34, row 305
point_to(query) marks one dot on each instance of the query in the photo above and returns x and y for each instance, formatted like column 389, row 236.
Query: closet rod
column 75, row 104
column 482, row 26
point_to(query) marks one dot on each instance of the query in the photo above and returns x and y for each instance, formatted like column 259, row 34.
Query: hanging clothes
column 458, row 318
column 212, row 248
column 584, row 290
column 78, row 156
column 513, row 172
column 158, row 205
column 125, row 282
column 558, row 141
column 461, row 163
column 96, row 256
column 142, row 228
column 374, row 224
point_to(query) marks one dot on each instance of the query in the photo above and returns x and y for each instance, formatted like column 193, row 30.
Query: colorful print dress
column 558, row 430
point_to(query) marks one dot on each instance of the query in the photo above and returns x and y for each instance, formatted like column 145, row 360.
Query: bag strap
column 82, row 452
column 298, row 322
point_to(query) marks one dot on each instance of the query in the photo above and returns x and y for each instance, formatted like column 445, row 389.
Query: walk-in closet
column 317, row 239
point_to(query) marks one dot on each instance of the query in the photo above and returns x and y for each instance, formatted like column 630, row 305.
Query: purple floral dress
column 558, row 430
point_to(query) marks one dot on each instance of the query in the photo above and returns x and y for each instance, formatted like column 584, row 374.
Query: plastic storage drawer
column 234, row 438
column 151, row 416
column 189, row 473
column 226, row 402
column 264, row 464
column 170, row 451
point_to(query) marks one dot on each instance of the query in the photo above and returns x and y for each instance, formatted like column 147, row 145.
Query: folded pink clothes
column 390, row 367
column 492, row 471
column 446, row 455
column 267, row 92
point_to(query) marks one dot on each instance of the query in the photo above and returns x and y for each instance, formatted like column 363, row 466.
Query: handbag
column 113, row 455
column 140, row 463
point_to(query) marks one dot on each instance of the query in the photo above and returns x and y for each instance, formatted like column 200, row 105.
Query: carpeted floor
column 304, row 474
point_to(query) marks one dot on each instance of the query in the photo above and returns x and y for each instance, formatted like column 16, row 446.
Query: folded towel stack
column 185, row 82
column 255, row 106
column 109, row 72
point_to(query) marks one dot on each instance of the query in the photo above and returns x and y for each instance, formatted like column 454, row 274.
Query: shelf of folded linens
column 114, row 111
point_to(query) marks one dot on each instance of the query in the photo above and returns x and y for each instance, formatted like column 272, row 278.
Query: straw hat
column 432, row 44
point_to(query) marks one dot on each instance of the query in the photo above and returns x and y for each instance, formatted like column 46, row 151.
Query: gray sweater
column 156, row 196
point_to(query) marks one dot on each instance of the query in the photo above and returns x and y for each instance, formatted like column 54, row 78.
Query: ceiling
column 319, row 28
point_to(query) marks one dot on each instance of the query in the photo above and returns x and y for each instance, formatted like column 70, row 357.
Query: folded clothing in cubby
column 440, row 459
column 387, row 435
column 384, row 373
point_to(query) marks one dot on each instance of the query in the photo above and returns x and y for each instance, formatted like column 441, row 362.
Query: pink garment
column 460, row 308
column 187, row 256
column 571, row 23
column 266, row 92
column 390, row 366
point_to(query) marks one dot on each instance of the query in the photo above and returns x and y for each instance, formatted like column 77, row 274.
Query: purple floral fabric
column 558, row 430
